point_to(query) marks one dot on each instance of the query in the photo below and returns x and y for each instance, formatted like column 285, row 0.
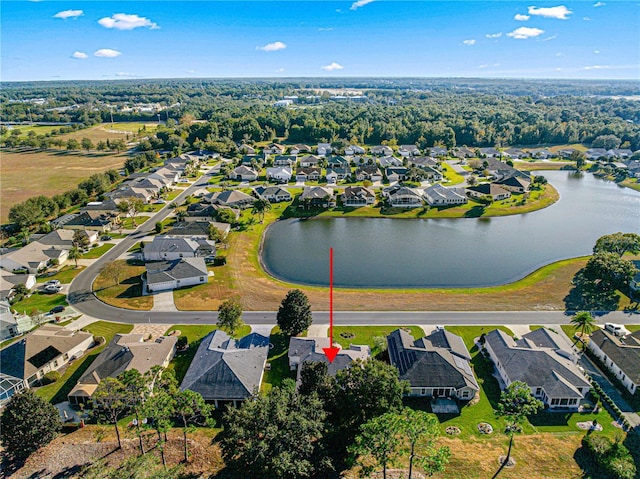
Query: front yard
column 64, row 275
column 39, row 302
column 125, row 293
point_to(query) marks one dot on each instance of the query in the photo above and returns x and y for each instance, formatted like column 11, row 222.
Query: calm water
column 462, row 252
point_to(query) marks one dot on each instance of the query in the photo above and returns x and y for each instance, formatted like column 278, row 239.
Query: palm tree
column 585, row 323
column 259, row 207
column 74, row 253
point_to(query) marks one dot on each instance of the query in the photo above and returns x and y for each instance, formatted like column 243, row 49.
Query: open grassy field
column 107, row 131
column 48, row 172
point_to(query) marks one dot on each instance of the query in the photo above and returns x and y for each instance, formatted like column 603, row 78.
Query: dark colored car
column 57, row 309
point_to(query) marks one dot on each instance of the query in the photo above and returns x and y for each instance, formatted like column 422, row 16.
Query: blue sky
column 61, row 40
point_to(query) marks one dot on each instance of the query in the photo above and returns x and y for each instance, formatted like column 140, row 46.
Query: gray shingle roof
column 183, row 268
column 625, row 354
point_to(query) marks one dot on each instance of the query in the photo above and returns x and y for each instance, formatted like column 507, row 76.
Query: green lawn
column 98, row 251
column 633, row 327
column 194, row 334
column 278, row 361
column 346, row 335
column 128, row 224
column 57, row 392
column 64, row 275
column 40, row 302
column 450, row 174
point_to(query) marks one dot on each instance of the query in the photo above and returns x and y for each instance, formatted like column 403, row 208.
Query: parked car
column 53, row 282
column 105, row 238
column 51, row 288
column 616, row 329
column 56, row 309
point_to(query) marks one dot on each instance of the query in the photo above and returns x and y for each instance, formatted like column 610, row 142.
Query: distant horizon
column 102, row 40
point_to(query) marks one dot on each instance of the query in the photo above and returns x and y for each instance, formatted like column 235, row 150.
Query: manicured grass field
column 194, row 334
column 49, row 172
column 346, row 335
column 133, row 223
column 65, row 275
column 40, row 302
column 127, row 294
column 57, row 392
column 98, row 251
column 278, row 360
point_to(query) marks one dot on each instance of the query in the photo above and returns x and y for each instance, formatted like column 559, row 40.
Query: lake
column 460, row 252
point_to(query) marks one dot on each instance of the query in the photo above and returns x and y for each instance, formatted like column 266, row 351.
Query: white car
column 52, row 288
column 53, row 282
column 616, row 329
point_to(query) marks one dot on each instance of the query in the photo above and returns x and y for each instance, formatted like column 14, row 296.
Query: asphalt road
column 81, row 297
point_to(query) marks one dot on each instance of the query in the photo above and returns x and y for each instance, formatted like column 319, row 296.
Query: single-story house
column 300, row 148
column 226, row 370
column 463, row 152
column 542, row 359
column 386, row 161
column 405, row 197
column 244, row 173
column 422, row 161
column 34, row 257
column 198, row 229
column 596, row 153
column 369, row 172
column 13, row 324
column 308, row 174
column 323, row 149
column 168, row 248
column 285, row 160
column 274, row 149
column 408, row 150
column 437, row 151
column 247, row 149
column 381, row 150
column 123, row 353
column 430, row 173
column 337, row 173
column 252, row 160
column 515, row 153
column 620, row 356
column 108, row 207
column 9, row 280
column 500, row 170
column 176, row 273
column 24, row 363
column 437, row 365
column 231, row 198
column 337, row 162
column 358, row 196
column 317, row 197
column 354, row 150
column 622, row 153
column 309, row 161
column 280, row 174
column 91, row 220
column 127, row 191
column 514, row 184
column 398, row 173
column 488, row 191
column 310, row 350
column 541, row 154
column 64, row 237
column 489, row 152
column 438, row 195
column 273, row 194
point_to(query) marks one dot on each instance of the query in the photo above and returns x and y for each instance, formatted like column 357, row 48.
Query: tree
column 294, row 314
column 215, row 234
column 192, row 411
column 110, row 402
column 87, row 144
column 607, row 142
column 159, row 408
column 137, row 391
column 80, row 239
column 619, row 243
column 28, row 423
column 579, row 157
column 112, row 270
column 378, row 439
column 609, row 271
column 314, row 379
column 131, row 207
column 75, row 254
column 158, row 227
column 229, row 315
column 275, row 435
column 420, row 431
column 72, row 144
column 585, row 323
column 260, row 206
column 516, row 403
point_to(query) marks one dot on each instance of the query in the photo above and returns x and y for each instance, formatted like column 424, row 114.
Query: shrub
column 51, row 377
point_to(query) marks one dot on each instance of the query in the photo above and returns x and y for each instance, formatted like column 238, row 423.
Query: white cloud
column 272, row 47
column 525, row 32
column 586, row 19
column 190, row 71
column 360, row 3
column 325, row 29
column 599, row 4
column 107, row 53
column 597, row 67
column 469, row 42
column 279, row 70
column 69, row 14
column 560, row 12
column 552, row 37
column 332, row 67
column 521, row 18
column 483, row 66
column 596, row 51
column 494, row 35
column 125, row 21
column 79, row 55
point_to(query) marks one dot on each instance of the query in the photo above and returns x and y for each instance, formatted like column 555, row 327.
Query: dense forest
column 426, row 112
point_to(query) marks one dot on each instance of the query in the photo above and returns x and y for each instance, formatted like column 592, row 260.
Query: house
column 463, row 152
column 127, row 191
column 489, row 153
column 633, row 167
column 274, row 149
column 247, row 149
column 422, row 161
column 308, row 174
column 123, row 353
column 337, row 162
column 202, row 210
column 91, row 220
column 354, row 150
column 231, row 198
column 541, row 154
column 408, row 150
column 63, row 237
column 167, row 176
column 310, row 350
column 285, row 160
column 369, row 172
column 198, row 229
column 309, row 161
column 430, row 173
column 9, row 280
column 358, row 196
column 13, row 323
column 107, row 207
column 337, row 173
column 567, row 152
column 514, row 184
column 256, row 161
column 297, row 149
column 168, row 248
column 226, row 370
column 405, row 197
column 323, row 149
column 621, row 153
column 543, row 360
column 34, row 257
column 381, row 150
column 24, row 363
column 177, row 273
column 499, row 170
column 386, row 161
column 273, row 194
column 620, row 356
column 317, row 197
column 514, row 153
column 437, row 365
column 244, row 173
column 396, row 173
column 596, row 153
column 281, row 174
column 438, row 195
column 437, row 151
column 487, row 191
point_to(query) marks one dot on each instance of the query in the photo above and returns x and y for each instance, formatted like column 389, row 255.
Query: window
column 65, row 357
column 465, row 394
column 55, row 363
column 202, row 279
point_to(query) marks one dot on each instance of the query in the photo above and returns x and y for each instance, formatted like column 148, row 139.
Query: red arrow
column 331, row 351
